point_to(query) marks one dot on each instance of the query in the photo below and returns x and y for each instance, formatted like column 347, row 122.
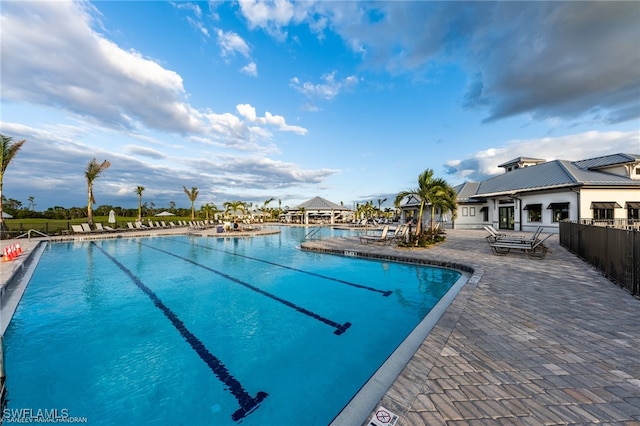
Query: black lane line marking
column 340, row 328
column 364, row 287
column 246, row 401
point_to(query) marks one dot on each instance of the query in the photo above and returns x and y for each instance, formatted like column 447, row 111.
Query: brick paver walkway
column 533, row 342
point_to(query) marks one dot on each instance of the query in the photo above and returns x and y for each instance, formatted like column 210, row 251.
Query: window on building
column 633, row 210
column 485, row 213
column 604, row 210
column 472, row 211
column 465, row 211
column 534, row 212
column 559, row 211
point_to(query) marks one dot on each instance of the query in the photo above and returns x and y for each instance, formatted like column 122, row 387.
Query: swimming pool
column 197, row 330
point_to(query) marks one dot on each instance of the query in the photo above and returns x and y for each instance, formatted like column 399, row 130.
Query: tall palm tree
column 429, row 191
column 265, row 204
column 8, row 150
column 443, row 197
column 380, row 201
column 193, row 195
column 139, row 190
column 91, row 173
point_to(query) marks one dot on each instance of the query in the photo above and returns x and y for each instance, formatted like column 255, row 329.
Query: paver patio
column 532, row 342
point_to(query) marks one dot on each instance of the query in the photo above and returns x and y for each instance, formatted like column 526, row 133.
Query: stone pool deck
column 525, row 342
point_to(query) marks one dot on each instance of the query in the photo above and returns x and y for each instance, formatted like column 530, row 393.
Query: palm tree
column 91, row 173
column 8, row 150
column 443, row 197
column 234, row 206
column 193, row 194
column 430, row 191
column 209, row 210
column 32, row 203
column 380, row 203
column 265, row 204
column 139, row 190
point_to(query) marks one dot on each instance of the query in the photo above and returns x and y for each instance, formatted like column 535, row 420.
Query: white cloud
column 249, row 113
column 328, row 89
column 580, row 146
column 250, row 69
column 231, row 43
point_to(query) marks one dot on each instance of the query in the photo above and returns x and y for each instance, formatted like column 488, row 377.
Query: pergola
column 318, row 210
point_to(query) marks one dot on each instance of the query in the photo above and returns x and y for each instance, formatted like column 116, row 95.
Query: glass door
column 506, row 217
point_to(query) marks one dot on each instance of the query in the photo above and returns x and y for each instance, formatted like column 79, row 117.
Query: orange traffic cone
column 18, row 248
column 5, row 255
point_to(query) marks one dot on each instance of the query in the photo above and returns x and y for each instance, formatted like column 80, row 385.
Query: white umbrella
column 112, row 217
column 6, row 215
column 165, row 213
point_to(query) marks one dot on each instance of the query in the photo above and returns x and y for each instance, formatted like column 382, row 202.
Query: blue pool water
column 196, row 330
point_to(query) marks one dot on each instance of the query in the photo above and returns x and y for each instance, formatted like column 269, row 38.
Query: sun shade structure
column 318, row 210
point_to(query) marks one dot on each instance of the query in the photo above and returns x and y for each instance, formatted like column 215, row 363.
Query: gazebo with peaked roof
column 319, row 210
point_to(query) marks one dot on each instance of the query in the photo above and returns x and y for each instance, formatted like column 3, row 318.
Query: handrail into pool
column 35, row 231
column 312, row 233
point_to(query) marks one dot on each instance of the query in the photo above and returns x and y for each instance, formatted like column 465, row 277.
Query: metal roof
column 319, row 203
column 466, row 190
column 607, row 161
column 522, row 160
column 558, row 174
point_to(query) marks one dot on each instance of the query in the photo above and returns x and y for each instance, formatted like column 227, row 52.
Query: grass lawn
column 57, row 227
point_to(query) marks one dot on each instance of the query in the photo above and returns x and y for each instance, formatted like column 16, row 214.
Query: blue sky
column 350, row 100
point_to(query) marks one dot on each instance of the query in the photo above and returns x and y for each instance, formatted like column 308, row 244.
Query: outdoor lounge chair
column 139, row 225
column 101, row 228
column 494, row 235
column 534, row 248
column 382, row 238
column 87, row 228
column 77, row 229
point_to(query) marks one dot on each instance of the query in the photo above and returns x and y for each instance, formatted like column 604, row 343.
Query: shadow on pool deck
column 532, row 342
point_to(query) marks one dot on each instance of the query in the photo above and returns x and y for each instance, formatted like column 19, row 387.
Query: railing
column 632, row 224
column 32, row 231
column 312, row 233
column 615, row 251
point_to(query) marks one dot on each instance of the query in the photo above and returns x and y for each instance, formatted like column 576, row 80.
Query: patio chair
column 101, row 228
column 86, row 228
column 534, row 248
column 77, row 229
column 382, row 238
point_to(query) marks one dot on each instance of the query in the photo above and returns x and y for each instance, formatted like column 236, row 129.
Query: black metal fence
column 615, row 251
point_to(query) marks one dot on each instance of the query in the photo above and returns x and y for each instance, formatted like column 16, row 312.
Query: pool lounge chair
column 101, row 228
column 87, row 228
column 534, row 248
column 77, row 229
column 494, row 235
column 382, row 238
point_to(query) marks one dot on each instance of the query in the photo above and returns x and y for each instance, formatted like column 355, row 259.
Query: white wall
column 620, row 196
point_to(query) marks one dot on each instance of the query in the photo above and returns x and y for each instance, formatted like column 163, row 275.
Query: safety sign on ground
column 383, row 417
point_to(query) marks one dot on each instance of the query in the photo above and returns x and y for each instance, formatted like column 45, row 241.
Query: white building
column 534, row 192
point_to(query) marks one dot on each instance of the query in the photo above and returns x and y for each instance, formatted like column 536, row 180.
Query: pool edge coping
column 364, row 402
